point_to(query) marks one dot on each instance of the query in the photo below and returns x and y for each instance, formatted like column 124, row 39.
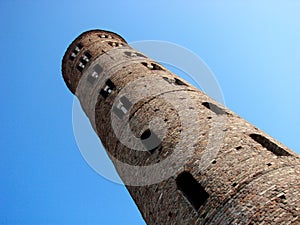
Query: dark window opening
column 156, row 67
column 191, row 189
column 152, row 66
column 216, row 109
column 269, row 145
column 140, row 55
column 92, row 77
column 103, row 36
column 110, row 86
column 167, row 79
column 79, row 46
column 72, row 56
column 150, row 141
column 179, row 82
column 115, row 44
column 80, row 67
column 144, row 64
column 174, row 81
column 122, row 107
column 74, row 53
column 85, row 58
column 112, row 44
column 88, row 55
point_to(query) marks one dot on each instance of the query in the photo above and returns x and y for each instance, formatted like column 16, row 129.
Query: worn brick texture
column 251, row 178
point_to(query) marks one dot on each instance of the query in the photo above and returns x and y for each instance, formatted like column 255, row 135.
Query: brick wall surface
column 243, row 175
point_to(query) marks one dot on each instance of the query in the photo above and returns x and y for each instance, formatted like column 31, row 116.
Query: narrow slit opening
column 269, row 145
column 216, row 109
column 179, row 82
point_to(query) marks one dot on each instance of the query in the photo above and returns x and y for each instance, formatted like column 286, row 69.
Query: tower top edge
column 84, row 35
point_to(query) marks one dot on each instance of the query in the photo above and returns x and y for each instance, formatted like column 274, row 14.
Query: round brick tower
column 184, row 158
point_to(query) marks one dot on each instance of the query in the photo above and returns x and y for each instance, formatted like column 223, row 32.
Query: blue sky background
column 252, row 47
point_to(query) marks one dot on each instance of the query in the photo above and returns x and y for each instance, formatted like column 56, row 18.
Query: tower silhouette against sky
column 184, row 158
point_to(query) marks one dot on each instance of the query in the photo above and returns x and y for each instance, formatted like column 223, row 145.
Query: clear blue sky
column 252, row 47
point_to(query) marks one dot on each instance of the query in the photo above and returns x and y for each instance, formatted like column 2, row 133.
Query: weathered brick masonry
column 252, row 178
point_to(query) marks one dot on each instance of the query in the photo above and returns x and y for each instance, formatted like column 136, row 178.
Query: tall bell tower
column 184, row 158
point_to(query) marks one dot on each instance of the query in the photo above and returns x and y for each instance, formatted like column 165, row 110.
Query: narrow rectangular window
column 134, row 54
column 216, row 109
column 179, row 82
column 78, row 47
column 191, row 189
column 174, row 81
column 80, row 66
column 85, row 58
column 74, row 53
column 269, row 145
column 103, row 36
column 88, row 55
column 93, row 76
column 72, row 56
column 152, row 66
column 122, row 107
column 110, row 86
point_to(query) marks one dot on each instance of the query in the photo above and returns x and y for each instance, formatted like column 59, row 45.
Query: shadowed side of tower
column 185, row 159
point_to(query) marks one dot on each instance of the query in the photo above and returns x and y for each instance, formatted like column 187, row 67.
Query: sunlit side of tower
column 252, row 178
